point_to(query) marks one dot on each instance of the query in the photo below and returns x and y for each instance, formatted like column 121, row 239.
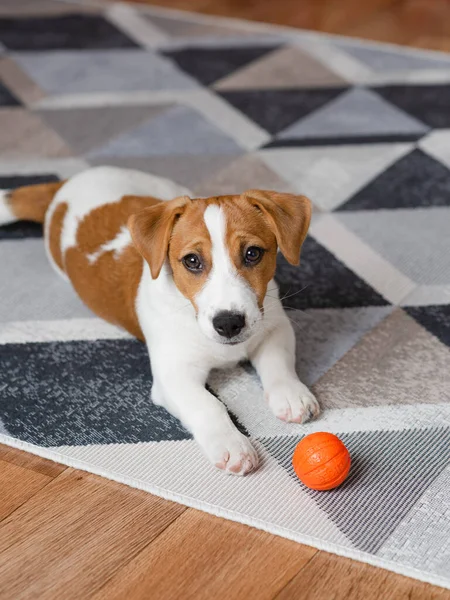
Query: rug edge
column 375, row 561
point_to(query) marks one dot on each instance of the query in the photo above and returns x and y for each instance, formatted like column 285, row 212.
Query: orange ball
column 321, row 461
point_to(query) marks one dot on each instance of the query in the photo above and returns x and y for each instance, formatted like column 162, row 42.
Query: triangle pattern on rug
column 98, row 125
column 383, row 60
column 415, row 180
column 330, row 175
column 63, row 380
column 357, row 114
column 435, row 319
column 389, row 468
column 414, row 241
column 185, row 169
column 322, row 281
column 326, row 335
column 180, row 28
column 180, row 130
column 358, row 379
column 239, row 176
column 208, row 65
column 428, row 103
column 437, row 145
column 7, row 98
column 286, row 68
column 274, row 110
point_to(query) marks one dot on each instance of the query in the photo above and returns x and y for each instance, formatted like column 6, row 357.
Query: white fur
column 225, row 290
column 182, row 357
column 6, row 214
column 98, row 186
column 116, row 245
column 181, row 354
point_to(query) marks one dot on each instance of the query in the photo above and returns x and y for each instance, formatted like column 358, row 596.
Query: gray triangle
column 87, row 128
column 180, row 28
column 186, row 169
column 390, row 472
column 179, row 131
column 358, row 112
column 382, row 60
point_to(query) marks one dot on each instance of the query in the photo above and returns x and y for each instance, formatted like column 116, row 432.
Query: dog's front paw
column 230, row 451
column 291, row 401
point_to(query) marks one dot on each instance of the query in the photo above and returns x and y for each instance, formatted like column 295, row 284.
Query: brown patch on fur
column 151, row 230
column 287, row 215
column 30, row 202
column 104, row 223
column 190, row 236
column 54, row 234
column 108, row 285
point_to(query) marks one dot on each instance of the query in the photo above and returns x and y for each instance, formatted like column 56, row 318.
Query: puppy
column 190, row 277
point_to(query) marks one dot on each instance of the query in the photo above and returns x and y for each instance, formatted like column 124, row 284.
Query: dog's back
column 86, row 234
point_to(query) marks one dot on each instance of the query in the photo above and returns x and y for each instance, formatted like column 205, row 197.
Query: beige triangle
column 398, row 362
column 242, row 174
column 25, row 135
column 283, row 68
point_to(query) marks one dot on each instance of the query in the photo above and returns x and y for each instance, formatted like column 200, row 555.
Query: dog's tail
column 28, row 203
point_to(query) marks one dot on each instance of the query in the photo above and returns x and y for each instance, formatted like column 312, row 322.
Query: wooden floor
column 421, row 23
column 66, row 534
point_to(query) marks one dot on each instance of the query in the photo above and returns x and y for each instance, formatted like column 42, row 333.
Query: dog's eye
column 253, row 255
column 192, row 262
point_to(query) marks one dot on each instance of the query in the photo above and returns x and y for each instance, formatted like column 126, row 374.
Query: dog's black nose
column 228, row 324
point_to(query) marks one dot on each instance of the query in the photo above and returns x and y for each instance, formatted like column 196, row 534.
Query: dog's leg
column 181, row 390
column 274, row 360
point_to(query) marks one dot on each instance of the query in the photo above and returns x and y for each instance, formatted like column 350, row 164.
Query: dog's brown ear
column 287, row 215
column 151, row 229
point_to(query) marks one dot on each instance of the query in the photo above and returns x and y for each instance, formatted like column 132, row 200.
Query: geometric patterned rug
column 221, row 106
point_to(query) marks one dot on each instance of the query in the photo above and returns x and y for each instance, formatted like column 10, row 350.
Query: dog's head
column 222, row 252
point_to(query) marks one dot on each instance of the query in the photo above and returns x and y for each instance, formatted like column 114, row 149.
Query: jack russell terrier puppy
column 188, row 276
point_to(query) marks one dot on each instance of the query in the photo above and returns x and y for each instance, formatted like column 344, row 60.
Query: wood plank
column 332, row 577
column 30, row 461
column 404, row 22
column 17, row 485
column 201, row 556
column 422, row 23
column 324, row 15
column 74, row 534
column 432, row 42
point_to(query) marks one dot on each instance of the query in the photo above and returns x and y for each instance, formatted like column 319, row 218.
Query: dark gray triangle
column 416, row 180
column 210, row 64
column 322, row 281
column 274, row 110
column 358, row 112
column 436, row 319
column 62, row 32
column 390, row 472
column 428, row 103
column 78, row 393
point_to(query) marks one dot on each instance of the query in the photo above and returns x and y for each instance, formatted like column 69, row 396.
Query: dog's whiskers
column 288, row 295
